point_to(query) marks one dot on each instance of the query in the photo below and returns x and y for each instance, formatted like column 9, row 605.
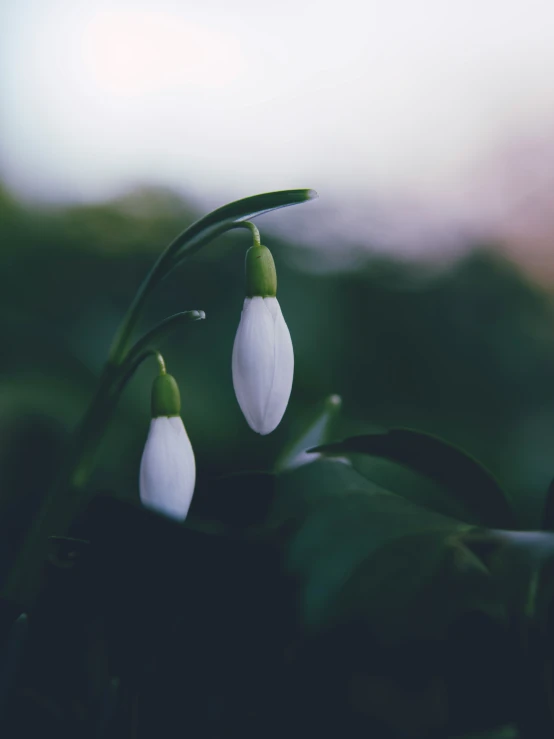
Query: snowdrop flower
column 167, row 468
column 263, row 359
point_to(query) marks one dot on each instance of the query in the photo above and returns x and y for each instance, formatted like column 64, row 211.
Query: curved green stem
column 61, row 503
column 252, row 228
column 114, row 379
column 194, row 238
column 85, row 463
column 121, row 340
column 161, row 362
column 131, row 367
column 162, row 329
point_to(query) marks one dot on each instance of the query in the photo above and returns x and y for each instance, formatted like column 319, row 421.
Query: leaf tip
column 333, row 402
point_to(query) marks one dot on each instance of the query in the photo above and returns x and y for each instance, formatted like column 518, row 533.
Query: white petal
column 283, row 371
column 167, row 468
column 253, row 360
column 263, row 363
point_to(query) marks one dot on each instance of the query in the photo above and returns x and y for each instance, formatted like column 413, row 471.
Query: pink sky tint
column 422, row 124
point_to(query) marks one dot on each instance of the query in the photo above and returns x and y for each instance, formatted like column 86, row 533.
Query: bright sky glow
column 220, row 99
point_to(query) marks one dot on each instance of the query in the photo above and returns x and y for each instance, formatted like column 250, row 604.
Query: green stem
column 186, row 244
column 84, row 465
column 121, row 340
column 162, row 329
column 112, row 383
column 61, row 504
column 252, row 228
column 161, row 363
column 131, row 367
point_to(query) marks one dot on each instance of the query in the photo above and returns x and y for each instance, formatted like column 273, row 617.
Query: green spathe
column 261, row 277
column 166, row 398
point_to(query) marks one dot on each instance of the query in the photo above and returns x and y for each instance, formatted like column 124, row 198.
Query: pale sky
column 384, row 98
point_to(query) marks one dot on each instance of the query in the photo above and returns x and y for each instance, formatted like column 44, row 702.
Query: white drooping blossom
column 167, row 468
column 263, row 363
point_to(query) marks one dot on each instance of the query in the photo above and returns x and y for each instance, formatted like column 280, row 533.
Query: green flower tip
column 166, row 398
column 197, row 315
column 261, row 277
column 311, row 194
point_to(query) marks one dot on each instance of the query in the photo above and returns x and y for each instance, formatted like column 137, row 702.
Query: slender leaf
column 461, row 476
column 190, row 241
column 165, row 327
column 315, row 431
column 221, row 219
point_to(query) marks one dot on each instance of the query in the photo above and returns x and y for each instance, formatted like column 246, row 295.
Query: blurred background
column 418, row 287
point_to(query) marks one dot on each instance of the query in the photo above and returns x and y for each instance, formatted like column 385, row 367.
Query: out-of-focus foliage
column 466, row 353
column 388, row 565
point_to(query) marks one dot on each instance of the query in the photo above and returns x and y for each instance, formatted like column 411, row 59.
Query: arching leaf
column 461, row 476
column 221, row 219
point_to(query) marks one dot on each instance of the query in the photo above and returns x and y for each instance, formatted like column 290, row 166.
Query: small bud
column 261, row 277
column 263, row 358
column 166, row 398
column 167, row 468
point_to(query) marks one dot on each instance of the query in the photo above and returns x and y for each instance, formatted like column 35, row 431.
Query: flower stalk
column 69, row 495
column 168, row 468
column 263, row 357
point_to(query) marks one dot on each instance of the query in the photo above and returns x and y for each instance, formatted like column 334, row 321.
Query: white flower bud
column 167, row 468
column 263, row 363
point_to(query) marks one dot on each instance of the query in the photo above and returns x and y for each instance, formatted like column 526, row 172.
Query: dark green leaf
column 461, row 476
column 164, row 328
column 364, row 554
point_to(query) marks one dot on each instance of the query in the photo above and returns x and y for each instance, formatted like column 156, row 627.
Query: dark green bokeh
column 465, row 353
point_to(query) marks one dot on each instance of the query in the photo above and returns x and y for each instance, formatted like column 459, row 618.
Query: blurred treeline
column 466, row 352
